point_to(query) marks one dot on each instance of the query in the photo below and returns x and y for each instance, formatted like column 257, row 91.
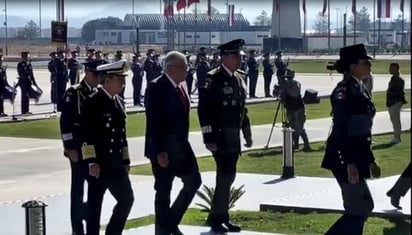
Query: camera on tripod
column 331, row 66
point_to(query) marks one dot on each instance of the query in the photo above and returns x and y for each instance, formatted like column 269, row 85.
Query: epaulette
column 213, row 71
column 241, row 71
column 77, row 86
column 93, row 93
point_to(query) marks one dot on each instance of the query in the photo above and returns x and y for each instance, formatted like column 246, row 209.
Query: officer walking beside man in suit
column 222, row 115
column 105, row 150
column 348, row 153
column 167, row 143
column 70, row 129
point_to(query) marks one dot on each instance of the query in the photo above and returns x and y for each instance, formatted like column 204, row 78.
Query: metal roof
column 188, row 22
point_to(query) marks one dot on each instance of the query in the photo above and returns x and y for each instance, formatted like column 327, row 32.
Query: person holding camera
column 348, row 153
column 280, row 67
column 295, row 109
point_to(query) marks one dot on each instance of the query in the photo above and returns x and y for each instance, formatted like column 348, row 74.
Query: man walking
column 167, row 145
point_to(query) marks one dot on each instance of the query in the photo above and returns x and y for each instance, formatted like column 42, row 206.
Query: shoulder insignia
column 77, row 86
column 208, row 83
column 93, row 93
column 155, row 80
column 340, row 93
column 241, row 71
column 213, row 71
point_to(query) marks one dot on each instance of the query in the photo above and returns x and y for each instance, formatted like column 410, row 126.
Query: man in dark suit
column 167, row 143
column 222, row 115
column 348, row 153
column 105, row 150
column 70, row 130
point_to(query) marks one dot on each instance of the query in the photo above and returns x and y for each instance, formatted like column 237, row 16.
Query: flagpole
column 354, row 23
column 195, row 39
column 184, row 27
column 228, row 15
column 304, row 31
column 279, row 43
column 403, row 24
column 374, row 28
column 329, row 25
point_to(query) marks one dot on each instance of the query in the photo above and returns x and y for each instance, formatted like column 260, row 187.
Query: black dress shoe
column 218, row 229
column 394, row 200
column 232, row 227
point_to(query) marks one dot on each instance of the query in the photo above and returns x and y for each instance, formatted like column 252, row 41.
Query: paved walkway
column 52, row 180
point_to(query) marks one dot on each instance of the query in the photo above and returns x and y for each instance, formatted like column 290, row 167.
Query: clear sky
column 91, row 9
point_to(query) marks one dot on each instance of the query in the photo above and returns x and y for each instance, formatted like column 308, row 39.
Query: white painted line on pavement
column 7, row 182
column 25, row 150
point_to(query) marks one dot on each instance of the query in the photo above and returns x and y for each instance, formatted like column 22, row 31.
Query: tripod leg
column 273, row 125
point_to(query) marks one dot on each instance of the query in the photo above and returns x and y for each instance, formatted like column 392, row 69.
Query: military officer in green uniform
column 222, row 115
column 105, row 150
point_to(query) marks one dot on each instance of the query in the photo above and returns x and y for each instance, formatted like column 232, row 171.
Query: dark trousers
column 225, row 176
column 168, row 215
column 297, row 120
column 77, row 206
column 121, row 189
column 358, row 203
column 252, row 84
column 1, row 104
column 24, row 99
column 137, row 89
column 267, row 81
column 403, row 184
column 61, row 88
column 189, row 81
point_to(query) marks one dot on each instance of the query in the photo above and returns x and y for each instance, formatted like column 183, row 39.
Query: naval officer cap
column 232, row 47
column 116, row 68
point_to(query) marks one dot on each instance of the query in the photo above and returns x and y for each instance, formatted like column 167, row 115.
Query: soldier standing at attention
column 61, row 78
column 73, row 66
column 3, row 84
column 51, row 66
column 105, row 150
column 26, row 79
column 137, row 80
column 222, row 115
column 252, row 73
column 348, row 151
column 267, row 73
column 70, row 129
column 99, row 57
column 158, row 69
column 90, row 55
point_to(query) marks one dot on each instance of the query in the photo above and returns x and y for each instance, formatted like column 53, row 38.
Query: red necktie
column 183, row 98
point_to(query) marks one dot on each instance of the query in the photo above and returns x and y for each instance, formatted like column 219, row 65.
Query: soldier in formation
column 25, row 81
column 253, row 73
column 267, row 73
column 73, row 66
column 137, row 79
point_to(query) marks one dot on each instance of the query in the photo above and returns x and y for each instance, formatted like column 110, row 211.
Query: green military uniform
column 222, row 114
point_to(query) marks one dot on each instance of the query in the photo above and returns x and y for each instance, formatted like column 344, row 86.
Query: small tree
column 208, row 192
column 30, row 31
column 363, row 21
column 263, row 19
column 397, row 23
column 321, row 24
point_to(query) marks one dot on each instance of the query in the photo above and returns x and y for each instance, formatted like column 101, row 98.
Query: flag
column 325, row 7
column 190, row 2
column 354, row 7
column 304, row 6
column 384, row 8
column 209, row 9
column 181, row 4
column 277, row 5
column 231, row 14
column 168, row 8
column 402, row 5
